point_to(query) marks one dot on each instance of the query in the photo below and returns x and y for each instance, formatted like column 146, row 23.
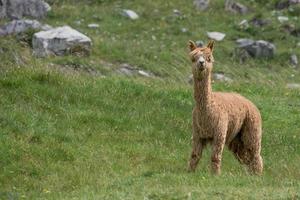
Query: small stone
column 235, row 7
column 282, row 19
column 221, row 77
column 201, row 4
column 184, row 30
column 243, row 42
column 78, row 22
column 130, row 14
column 293, row 86
column 93, row 26
column 258, row 22
column 143, row 73
column 244, row 24
column 294, row 60
column 126, row 71
column 177, row 12
column 216, row 36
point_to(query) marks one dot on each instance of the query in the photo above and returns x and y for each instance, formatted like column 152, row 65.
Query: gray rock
column 293, row 86
column 3, row 4
column 93, row 26
column 235, row 7
column 243, row 42
column 282, row 19
column 257, row 49
column 294, row 60
column 258, row 22
column 60, row 41
column 286, row 3
column 16, row 9
column 221, row 77
column 129, row 70
column 126, row 71
column 201, row 4
column 184, row 30
column 244, row 24
column 177, row 12
column 143, row 73
column 216, row 36
column 19, row 26
column 130, row 14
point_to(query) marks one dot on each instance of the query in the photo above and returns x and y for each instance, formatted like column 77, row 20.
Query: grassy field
column 66, row 134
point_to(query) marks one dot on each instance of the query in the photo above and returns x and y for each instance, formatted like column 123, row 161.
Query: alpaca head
column 202, row 58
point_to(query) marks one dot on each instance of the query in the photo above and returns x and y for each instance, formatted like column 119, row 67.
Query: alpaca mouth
column 201, row 67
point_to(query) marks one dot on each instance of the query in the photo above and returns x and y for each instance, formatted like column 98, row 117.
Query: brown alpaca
column 222, row 118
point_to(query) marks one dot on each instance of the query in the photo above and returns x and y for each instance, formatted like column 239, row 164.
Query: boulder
column 60, row 41
column 17, row 9
column 235, row 7
column 201, row 4
column 3, row 8
column 257, row 49
column 216, row 36
column 19, row 26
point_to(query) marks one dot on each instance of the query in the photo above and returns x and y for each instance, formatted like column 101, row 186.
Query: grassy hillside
column 68, row 134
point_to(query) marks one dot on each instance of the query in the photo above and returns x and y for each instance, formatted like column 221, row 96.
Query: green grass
column 70, row 135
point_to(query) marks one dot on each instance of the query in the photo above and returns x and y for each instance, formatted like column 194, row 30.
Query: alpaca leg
column 256, row 165
column 218, row 146
column 196, row 154
column 251, row 138
column 236, row 146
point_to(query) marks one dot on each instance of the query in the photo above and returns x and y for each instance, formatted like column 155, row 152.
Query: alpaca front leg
column 216, row 158
column 196, row 154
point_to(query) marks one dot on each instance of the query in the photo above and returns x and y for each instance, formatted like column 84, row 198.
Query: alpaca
column 222, row 119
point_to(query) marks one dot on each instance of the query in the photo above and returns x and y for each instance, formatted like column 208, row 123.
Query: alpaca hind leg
column 251, row 137
column 198, row 145
column 236, row 146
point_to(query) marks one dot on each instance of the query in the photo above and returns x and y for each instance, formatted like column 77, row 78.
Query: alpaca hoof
column 191, row 169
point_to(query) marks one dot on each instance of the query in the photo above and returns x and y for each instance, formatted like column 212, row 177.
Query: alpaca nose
column 201, row 61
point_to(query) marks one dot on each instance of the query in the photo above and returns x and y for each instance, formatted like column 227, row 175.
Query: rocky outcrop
column 19, row 26
column 16, row 9
column 60, row 41
column 257, row 49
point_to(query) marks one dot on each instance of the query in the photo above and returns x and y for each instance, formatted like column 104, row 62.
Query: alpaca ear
column 192, row 45
column 210, row 45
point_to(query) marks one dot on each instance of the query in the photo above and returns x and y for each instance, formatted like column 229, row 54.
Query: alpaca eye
column 208, row 59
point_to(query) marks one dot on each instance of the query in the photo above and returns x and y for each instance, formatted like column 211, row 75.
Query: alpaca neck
column 203, row 90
